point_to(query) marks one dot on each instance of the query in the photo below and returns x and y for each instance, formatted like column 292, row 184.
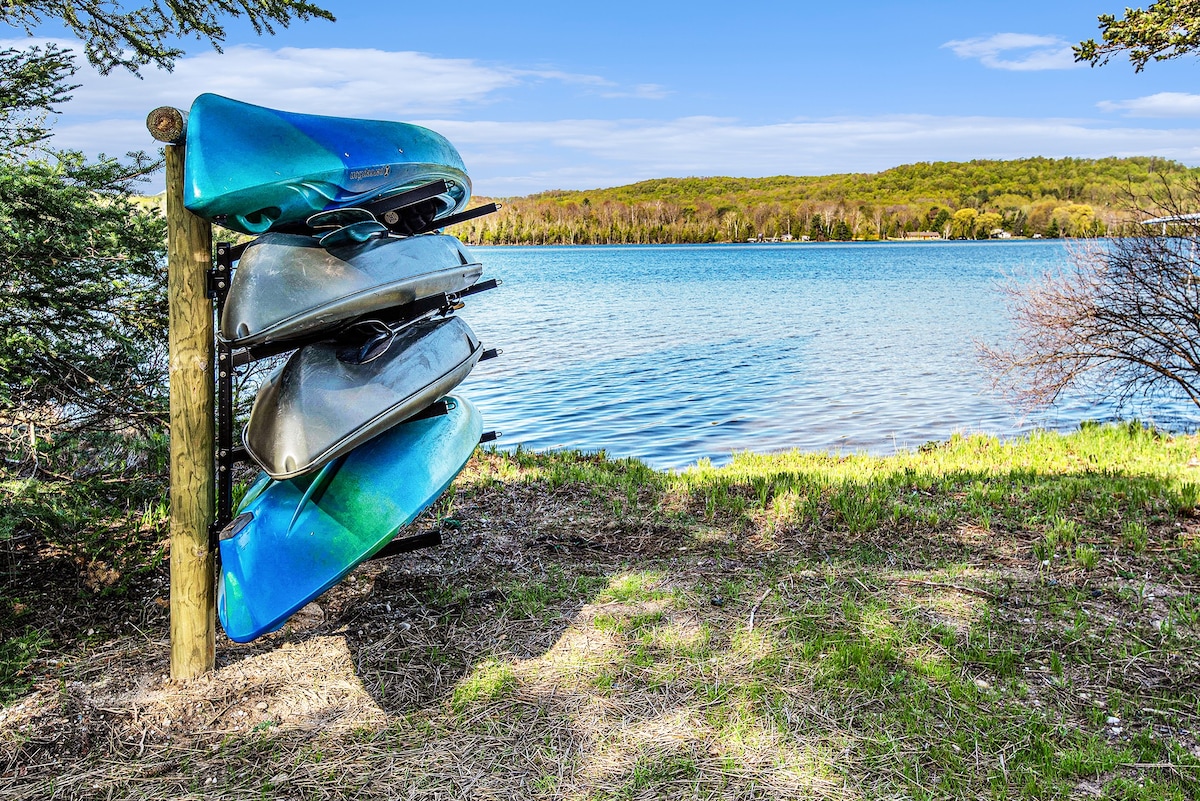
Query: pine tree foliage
column 83, row 324
column 83, row 331
column 117, row 35
column 82, row 298
column 32, row 83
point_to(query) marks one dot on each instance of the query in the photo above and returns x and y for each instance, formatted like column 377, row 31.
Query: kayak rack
column 228, row 359
column 227, row 456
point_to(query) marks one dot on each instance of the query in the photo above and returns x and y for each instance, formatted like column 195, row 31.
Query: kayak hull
column 288, row 286
column 252, row 169
column 318, row 407
column 292, row 540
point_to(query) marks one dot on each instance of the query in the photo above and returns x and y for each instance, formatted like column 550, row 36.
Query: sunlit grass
column 489, row 681
column 961, row 621
column 924, row 683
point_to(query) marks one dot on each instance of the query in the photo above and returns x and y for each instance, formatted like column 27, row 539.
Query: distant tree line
column 970, row 200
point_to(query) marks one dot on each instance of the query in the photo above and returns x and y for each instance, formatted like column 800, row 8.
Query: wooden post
column 189, row 257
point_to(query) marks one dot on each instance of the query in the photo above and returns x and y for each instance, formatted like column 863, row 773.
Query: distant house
column 1000, row 233
column 922, row 235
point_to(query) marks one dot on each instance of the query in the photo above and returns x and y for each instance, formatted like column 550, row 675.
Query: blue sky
column 546, row 95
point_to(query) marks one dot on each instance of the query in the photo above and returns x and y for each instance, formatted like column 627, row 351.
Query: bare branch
column 1120, row 320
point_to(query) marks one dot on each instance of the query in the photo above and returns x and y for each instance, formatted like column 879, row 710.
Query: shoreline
column 862, row 451
column 890, row 241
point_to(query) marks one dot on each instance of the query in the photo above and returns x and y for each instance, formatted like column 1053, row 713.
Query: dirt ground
column 104, row 717
column 361, row 694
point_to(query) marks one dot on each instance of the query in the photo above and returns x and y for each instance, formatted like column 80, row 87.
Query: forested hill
column 976, row 199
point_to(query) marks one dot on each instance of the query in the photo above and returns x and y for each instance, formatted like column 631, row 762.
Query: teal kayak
column 292, row 540
column 255, row 169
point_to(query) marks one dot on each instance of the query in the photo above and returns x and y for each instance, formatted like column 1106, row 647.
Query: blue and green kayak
column 255, row 169
column 292, row 540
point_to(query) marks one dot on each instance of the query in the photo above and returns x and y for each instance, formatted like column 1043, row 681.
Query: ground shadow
column 607, row 633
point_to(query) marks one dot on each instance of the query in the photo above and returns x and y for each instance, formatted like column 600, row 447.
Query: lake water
column 678, row 353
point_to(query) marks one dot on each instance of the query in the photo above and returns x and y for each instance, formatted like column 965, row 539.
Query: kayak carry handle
column 490, row 436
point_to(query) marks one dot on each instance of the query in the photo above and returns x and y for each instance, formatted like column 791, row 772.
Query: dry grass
column 583, row 638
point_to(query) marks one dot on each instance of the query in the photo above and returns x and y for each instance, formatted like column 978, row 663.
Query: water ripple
column 674, row 354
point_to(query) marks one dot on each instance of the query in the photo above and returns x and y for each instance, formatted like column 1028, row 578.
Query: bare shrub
column 1119, row 320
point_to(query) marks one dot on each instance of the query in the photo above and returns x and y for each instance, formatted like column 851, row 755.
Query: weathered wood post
column 189, row 257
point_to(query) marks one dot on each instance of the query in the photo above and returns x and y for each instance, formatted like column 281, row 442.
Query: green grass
column 1019, row 537
column 535, row 598
column 16, row 655
column 634, row 587
column 488, row 681
column 1058, row 482
column 960, row 621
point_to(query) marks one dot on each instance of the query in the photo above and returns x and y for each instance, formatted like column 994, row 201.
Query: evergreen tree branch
column 131, row 38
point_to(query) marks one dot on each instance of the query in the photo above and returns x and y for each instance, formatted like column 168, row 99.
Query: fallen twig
column 754, row 609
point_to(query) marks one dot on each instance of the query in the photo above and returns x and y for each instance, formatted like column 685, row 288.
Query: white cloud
column 1163, row 104
column 1017, row 51
column 514, row 158
column 577, row 79
column 510, row 158
column 337, row 81
column 457, row 97
column 643, row 91
column 358, row 82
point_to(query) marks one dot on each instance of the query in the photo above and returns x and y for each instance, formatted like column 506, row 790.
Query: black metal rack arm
column 455, row 219
column 414, row 542
column 390, row 205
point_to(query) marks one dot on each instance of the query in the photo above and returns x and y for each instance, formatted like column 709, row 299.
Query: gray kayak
column 322, row 404
column 288, row 285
